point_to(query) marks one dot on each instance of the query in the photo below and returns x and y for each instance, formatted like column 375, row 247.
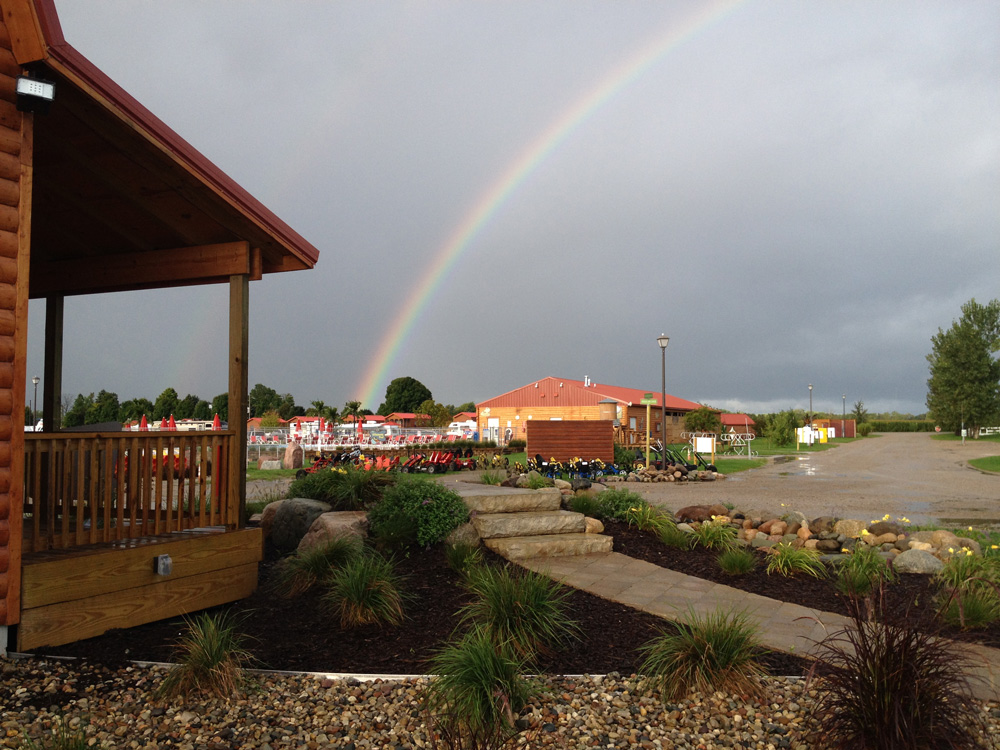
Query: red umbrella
column 216, row 423
column 163, row 423
column 143, row 425
column 361, row 430
column 172, row 425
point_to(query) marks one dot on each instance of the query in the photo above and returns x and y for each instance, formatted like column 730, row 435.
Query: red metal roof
column 736, row 420
column 112, row 96
column 565, row 392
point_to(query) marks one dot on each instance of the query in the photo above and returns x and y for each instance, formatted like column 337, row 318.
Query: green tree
column 703, row 420
column 104, row 409
column 859, row 413
column 28, row 416
column 165, row 404
column 320, row 409
column 220, row 406
column 404, row 395
column 202, row 410
column 270, row 419
column 186, row 407
column 440, row 416
column 287, row 407
column 262, row 400
column 964, row 383
column 352, row 409
column 76, row 415
column 780, row 429
column 467, row 406
column 135, row 408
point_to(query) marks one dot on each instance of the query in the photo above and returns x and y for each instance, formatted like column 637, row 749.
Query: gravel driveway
column 904, row 474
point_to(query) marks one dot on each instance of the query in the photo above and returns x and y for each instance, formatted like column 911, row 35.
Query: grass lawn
column 734, row 465
column 254, row 473
column 989, row 463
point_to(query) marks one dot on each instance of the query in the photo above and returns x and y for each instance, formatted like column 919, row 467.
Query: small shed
column 100, row 530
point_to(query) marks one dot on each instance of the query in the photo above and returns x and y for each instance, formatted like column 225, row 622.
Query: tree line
column 406, row 395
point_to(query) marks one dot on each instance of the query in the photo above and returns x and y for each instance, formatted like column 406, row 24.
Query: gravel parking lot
column 903, row 474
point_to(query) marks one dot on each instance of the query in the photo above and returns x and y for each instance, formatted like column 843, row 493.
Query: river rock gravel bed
column 115, row 707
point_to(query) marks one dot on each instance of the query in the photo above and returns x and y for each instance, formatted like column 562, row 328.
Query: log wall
column 15, row 222
column 566, row 440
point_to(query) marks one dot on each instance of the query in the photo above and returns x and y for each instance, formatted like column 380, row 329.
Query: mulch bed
column 299, row 635
column 912, row 593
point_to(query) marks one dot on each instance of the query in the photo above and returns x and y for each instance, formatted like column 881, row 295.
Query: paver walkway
column 782, row 626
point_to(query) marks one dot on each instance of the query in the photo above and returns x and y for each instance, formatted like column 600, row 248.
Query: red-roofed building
column 565, row 399
column 408, row 419
column 464, row 416
column 738, row 423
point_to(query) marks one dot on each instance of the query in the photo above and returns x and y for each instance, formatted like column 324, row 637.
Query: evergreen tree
column 76, row 415
column 165, row 404
column 404, row 395
column 220, row 406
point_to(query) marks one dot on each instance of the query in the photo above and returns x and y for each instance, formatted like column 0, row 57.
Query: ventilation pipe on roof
column 586, row 381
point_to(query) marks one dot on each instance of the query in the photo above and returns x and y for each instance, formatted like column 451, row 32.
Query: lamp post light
column 809, row 415
column 663, row 341
column 843, row 417
column 34, row 402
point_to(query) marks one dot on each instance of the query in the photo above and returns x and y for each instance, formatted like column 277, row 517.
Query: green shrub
column 624, row 457
column 299, row 572
column 365, row 591
column 646, row 517
column 969, row 594
column 862, row 570
column 536, row 482
column 517, row 444
column 345, row 488
column 675, row 537
column 887, row 681
column 433, row 508
column 717, row 651
column 737, row 561
column 589, row 505
column 522, row 608
column 492, row 477
column 462, row 557
column 617, row 502
column 211, row 659
column 865, row 429
column 786, row 560
column 714, row 535
column 478, row 692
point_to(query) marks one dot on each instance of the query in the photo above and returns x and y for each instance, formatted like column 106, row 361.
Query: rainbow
column 528, row 161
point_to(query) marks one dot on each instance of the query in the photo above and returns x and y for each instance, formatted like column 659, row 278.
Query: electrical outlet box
column 163, row 565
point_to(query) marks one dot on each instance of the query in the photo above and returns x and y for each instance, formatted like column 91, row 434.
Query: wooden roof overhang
column 120, row 201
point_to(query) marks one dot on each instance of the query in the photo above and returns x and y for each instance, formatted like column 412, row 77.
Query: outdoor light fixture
column 34, row 403
column 809, row 419
column 663, row 341
column 34, row 94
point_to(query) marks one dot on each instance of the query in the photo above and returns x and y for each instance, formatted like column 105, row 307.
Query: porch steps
column 519, row 523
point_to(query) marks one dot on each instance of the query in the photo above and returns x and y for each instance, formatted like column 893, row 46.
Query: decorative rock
column 580, row 484
column 885, row 527
column 765, row 528
column 810, row 543
column 886, row 538
column 293, row 519
column 970, row 544
column 923, row 536
column 267, row 517
column 463, row 534
column 790, row 539
column 925, row 546
column 334, row 524
column 803, row 533
column 693, row 513
column 793, row 516
column 762, row 541
column 562, row 484
column 722, row 520
column 849, row 527
column 269, row 464
column 822, row 524
column 793, row 527
column 778, row 528
column 944, row 539
column 917, row 561
column 827, row 545
column 686, row 528
column 293, row 457
column 749, row 534
column 593, row 526
column 718, row 510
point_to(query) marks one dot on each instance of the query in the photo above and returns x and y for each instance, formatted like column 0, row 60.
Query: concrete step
column 550, row 545
column 487, row 499
column 493, row 525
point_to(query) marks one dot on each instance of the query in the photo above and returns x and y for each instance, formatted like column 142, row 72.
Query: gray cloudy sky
column 794, row 192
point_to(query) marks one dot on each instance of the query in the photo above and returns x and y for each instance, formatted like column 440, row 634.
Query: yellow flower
column 844, row 549
column 782, row 505
column 951, row 551
column 864, row 532
column 885, row 517
column 970, row 528
column 904, row 519
column 968, row 553
column 994, row 546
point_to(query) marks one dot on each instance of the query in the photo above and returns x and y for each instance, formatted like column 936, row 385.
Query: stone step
column 509, row 500
column 550, row 545
column 493, row 525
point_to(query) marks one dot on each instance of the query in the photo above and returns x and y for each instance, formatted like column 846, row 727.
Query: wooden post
column 239, row 344
column 52, row 373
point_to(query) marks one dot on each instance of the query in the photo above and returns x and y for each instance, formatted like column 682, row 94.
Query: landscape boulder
column 267, row 517
column 292, row 520
column 849, row 527
column 335, row 524
column 694, row 513
column 885, row 527
column 917, row 561
column 823, row 524
column 579, row 483
column 594, row 526
column 293, row 457
column 562, row 484
column 464, row 534
column 269, row 464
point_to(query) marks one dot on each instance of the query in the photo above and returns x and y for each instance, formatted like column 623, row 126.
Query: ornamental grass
column 212, row 659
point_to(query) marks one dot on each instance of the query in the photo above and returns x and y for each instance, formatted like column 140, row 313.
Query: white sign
column 704, row 445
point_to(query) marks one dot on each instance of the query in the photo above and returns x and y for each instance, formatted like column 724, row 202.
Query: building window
column 631, row 423
column 676, row 419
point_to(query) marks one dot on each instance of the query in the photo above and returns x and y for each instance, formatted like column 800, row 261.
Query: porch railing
column 85, row 488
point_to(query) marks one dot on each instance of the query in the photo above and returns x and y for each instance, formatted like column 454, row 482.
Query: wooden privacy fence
column 86, row 488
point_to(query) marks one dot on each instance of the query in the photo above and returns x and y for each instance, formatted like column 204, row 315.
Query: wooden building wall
column 15, row 202
column 564, row 441
column 518, row 416
column 675, row 423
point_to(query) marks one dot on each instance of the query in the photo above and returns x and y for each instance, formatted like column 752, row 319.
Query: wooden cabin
column 97, row 195
column 505, row 417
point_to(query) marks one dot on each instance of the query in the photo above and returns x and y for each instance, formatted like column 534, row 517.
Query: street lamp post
column 663, row 341
column 34, row 402
column 843, row 418
column 809, row 415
